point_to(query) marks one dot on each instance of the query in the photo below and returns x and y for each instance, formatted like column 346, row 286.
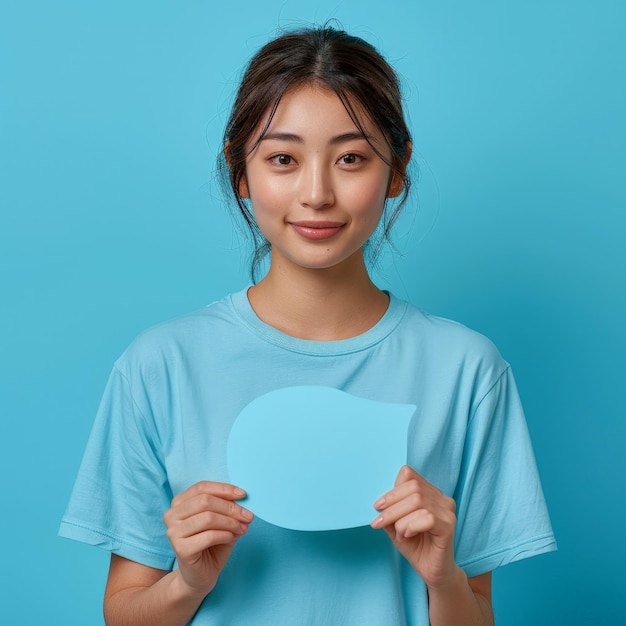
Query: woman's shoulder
column 450, row 340
column 182, row 335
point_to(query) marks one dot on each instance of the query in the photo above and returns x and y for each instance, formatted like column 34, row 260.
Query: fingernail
column 379, row 503
column 244, row 528
column 239, row 493
column 378, row 522
column 247, row 515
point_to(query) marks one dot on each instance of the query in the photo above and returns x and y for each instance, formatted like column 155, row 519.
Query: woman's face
column 316, row 185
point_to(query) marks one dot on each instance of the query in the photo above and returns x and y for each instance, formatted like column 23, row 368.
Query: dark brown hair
column 347, row 65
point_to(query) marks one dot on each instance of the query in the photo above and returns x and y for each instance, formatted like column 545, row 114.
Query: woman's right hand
column 203, row 525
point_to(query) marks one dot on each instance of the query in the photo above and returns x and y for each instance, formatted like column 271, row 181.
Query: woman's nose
column 316, row 189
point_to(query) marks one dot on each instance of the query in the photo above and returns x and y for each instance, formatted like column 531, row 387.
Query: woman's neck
column 319, row 304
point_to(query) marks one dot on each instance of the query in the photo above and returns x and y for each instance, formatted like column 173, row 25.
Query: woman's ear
column 243, row 185
column 396, row 184
column 243, row 188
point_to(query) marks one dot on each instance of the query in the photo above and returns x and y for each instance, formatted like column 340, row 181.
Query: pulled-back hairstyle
column 345, row 64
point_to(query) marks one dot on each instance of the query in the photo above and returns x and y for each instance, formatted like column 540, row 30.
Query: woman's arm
column 421, row 520
column 465, row 602
column 203, row 525
column 137, row 594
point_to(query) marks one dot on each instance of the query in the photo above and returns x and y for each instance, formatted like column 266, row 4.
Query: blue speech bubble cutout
column 317, row 458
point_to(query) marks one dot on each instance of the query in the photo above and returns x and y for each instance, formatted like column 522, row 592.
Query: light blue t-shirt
column 171, row 402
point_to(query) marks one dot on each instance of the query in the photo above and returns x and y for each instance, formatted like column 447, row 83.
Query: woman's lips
column 316, row 230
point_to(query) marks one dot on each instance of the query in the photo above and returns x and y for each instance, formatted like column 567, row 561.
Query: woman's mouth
column 317, row 230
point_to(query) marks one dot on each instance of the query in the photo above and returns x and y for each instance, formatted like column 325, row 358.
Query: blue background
column 110, row 221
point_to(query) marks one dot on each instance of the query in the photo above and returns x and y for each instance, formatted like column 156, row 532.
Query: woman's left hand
column 420, row 520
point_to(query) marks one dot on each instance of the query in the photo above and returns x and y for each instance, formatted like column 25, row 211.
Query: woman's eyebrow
column 351, row 136
column 281, row 136
column 292, row 137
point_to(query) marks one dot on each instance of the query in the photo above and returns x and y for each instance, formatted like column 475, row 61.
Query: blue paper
column 316, row 458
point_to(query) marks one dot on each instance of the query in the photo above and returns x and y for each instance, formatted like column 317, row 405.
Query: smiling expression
column 316, row 184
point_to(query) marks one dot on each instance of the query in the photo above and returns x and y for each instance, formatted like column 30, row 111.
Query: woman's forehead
column 316, row 108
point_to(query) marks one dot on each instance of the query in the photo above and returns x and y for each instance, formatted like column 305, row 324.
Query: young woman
column 316, row 153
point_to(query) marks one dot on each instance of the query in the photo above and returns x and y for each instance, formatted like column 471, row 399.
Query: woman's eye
column 281, row 159
column 350, row 159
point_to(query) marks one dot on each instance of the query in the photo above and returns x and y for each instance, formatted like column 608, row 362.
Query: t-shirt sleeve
column 501, row 511
column 122, row 490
